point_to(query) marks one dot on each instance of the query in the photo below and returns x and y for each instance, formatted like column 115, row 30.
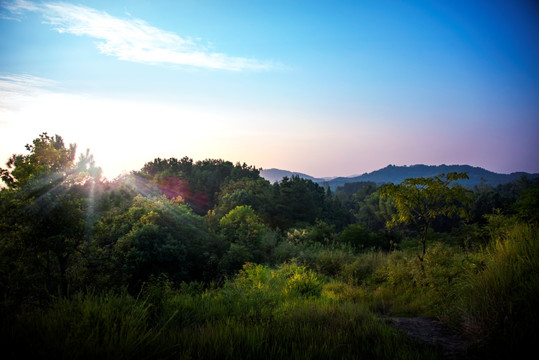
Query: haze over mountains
column 397, row 174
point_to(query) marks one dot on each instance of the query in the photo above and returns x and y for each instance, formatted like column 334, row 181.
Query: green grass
column 500, row 297
column 260, row 314
column 326, row 307
column 86, row 326
column 301, row 330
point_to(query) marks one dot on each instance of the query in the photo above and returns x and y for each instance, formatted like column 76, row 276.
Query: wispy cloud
column 15, row 8
column 134, row 39
column 19, row 6
column 16, row 89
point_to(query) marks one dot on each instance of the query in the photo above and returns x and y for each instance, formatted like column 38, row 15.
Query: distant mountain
column 273, row 175
column 396, row 174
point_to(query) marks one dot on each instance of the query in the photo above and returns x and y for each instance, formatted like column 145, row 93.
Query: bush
column 363, row 268
column 330, row 262
column 236, row 256
column 302, row 281
column 285, row 251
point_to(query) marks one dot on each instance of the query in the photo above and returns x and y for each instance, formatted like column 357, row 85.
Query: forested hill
column 273, row 175
column 396, row 174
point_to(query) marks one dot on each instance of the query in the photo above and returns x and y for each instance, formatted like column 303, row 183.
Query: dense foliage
column 135, row 266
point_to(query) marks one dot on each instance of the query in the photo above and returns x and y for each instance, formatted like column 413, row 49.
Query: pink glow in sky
column 323, row 88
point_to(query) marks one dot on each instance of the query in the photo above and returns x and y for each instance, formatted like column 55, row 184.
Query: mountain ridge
column 396, row 174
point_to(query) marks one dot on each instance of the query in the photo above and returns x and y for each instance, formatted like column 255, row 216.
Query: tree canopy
column 421, row 200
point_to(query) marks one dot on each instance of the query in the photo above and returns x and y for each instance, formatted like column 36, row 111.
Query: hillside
column 396, row 174
column 273, row 175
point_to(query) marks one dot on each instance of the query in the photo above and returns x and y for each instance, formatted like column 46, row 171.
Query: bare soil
column 432, row 332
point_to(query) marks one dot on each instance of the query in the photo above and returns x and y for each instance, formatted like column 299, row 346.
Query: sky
column 327, row 88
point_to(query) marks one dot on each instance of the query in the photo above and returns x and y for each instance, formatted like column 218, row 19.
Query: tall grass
column 500, row 299
column 262, row 313
column 300, row 330
column 395, row 283
column 85, row 326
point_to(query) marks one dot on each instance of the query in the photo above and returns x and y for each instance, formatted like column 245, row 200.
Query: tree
column 527, row 205
column 362, row 238
column 373, row 211
column 48, row 156
column 300, row 202
column 244, row 228
column 242, row 225
column 198, row 184
column 420, row 201
column 43, row 211
column 258, row 194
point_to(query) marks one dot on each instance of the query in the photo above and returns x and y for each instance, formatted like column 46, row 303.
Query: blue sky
column 323, row 87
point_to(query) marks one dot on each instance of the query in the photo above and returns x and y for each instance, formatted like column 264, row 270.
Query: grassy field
column 330, row 306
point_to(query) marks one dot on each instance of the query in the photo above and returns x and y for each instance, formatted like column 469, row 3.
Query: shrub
column 300, row 281
column 304, row 282
column 330, row 262
column 363, row 267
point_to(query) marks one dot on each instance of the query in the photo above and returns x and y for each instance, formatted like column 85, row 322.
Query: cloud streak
column 133, row 39
column 16, row 89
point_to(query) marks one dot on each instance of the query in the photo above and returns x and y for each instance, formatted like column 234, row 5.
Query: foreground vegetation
column 208, row 260
column 261, row 313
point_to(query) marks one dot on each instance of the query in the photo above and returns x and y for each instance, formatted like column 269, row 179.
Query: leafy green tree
column 242, row 226
column 485, row 201
column 300, row 202
column 321, row 232
column 256, row 193
column 45, row 203
column 335, row 213
column 235, row 257
column 360, row 188
column 198, row 184
column 153, row 236
column 362, row 239
column 48, row 160
column 351, row 194
column 420, row 201
column 170, row 167
column 208, row 176
column 374, row 211
column 527, row 205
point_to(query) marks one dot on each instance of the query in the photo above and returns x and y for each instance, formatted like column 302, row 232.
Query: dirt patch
column 432, row 332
